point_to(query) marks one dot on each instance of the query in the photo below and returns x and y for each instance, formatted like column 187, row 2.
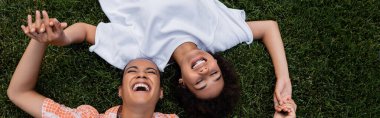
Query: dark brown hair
column 218, row 107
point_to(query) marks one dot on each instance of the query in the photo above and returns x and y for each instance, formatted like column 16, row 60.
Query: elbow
column 13, row 91
column 272, row 24
column 11, row 94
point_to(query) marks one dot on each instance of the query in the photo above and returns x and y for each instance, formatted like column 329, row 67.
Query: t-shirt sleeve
column 231, row 30
column 115, row 43
column 51, row 109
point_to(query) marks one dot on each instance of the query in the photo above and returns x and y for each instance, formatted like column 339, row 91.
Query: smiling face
column 201, row 74
column 141, row 84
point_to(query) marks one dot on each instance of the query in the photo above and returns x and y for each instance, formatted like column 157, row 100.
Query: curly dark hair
column 218, row 107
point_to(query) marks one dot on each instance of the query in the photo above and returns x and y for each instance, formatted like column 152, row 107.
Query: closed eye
column 214, row 73
column 199, row 81
column 151, row 72
column 131, row 71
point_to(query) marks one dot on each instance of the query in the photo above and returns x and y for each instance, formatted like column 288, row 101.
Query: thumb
column 63, row 25
column 279, row 98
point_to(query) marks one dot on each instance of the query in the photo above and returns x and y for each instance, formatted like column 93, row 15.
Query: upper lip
column 193, row 62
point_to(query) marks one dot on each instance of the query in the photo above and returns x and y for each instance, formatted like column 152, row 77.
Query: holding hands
column 283, row 89
column 284, row 105
column 46, row 30
column 288, row 109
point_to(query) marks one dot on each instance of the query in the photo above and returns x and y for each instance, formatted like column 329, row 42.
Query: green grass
column 332, row 47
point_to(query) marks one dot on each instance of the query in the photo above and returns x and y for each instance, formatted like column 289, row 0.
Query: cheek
column 188, row 78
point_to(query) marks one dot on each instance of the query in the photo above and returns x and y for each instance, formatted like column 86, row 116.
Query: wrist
column 38, row 44
column 282, row 77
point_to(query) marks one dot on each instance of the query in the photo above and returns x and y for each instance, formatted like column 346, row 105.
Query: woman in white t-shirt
column 185, row 31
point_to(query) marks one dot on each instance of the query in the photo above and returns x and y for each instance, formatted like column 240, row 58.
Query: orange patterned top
column 51, row 109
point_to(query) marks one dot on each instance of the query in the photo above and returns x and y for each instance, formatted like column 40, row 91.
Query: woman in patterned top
column 140, row 88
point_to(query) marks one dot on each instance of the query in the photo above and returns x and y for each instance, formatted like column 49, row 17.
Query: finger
column 57, row 25
column 31, row 36
column 276, row 105
column 42, row 28
column 51, row 22
column 30, row 23
column 278, row 108
column 24, row 29
column 46, row 22
column 35, row 34
column 63, row 25
column 38, row 20
column 293, row 112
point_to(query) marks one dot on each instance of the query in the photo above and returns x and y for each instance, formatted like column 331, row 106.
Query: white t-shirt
column 153, row 29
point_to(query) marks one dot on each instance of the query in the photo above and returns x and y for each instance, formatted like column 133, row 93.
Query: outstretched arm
column 21, row 88
column 42, row 32
column 269, row 33
column 50, row 30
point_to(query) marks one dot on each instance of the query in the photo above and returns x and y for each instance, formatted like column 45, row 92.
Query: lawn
column 332, row 47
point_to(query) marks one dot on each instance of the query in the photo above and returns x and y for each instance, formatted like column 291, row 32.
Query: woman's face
column 141, row 83
column 201, row 74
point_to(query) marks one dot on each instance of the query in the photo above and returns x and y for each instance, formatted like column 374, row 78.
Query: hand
column 54, row 29
column 288, row 110
column 282, row 90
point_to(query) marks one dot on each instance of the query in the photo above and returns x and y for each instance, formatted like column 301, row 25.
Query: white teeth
column 199, row 62
column 136, row 86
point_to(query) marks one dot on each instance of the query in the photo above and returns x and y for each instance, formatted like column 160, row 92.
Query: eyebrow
column 135, row 67
column 150, row 68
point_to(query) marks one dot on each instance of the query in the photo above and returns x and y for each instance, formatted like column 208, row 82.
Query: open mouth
column 141, row 87
column 198, row 63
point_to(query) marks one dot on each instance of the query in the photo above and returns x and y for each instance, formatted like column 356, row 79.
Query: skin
column 206, row 80
column 140, row 104
column 136, row 104
column 265, row 31
column 288, row 109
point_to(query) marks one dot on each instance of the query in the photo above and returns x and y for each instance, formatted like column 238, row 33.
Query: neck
column 182, row 50
column 136, row 112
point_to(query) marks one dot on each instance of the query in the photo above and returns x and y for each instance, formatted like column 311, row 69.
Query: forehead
column 143, row 63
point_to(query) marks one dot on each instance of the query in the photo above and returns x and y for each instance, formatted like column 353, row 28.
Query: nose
column 141, row 75
column 204, row 70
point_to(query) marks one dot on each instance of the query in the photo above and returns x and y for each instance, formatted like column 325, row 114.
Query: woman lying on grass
column 187, row 32
column 139, row 90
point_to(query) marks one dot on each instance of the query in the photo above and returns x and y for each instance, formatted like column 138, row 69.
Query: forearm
column 26, row 74
column 79, row 32
column 273, row 42
column 269, row 34
column 21, row 88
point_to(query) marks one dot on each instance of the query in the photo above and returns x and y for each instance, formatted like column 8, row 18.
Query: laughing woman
column 140, row 90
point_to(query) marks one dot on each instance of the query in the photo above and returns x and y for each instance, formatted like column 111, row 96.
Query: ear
column 161, row 93
column 120, row 92
column 181, row 83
